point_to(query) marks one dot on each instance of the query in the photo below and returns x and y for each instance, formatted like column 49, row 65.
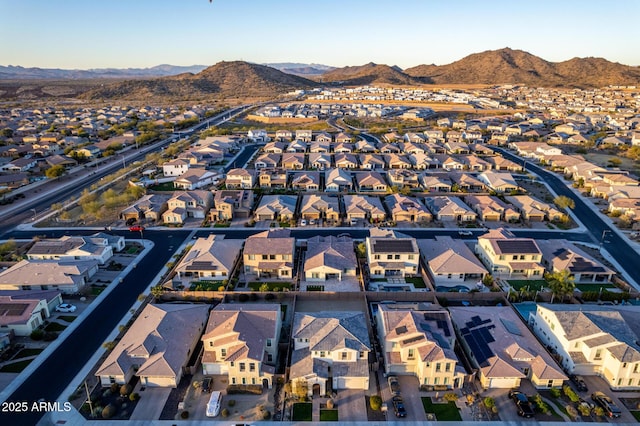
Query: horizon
column 149, row 33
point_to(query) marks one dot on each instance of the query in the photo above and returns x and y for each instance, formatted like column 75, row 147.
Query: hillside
column 225, row 79
column 369, row 74
column 22, row 73
column 516, row 66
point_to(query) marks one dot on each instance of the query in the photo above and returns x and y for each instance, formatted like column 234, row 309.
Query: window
column 447, row 367
column 629, row 382
column 501, row 257
column 411, row 257
column 515, row 257
column 619, row 382
column 397, row 257
column 112, row 379
column 436, row 380
column 522, row 257
column 437, row 367
column 272, row 257
column 242, row 366
column 268, row 342
column 550, row 384
column 598, row 354
column 376, row 257
column 269, row 358
column 252, row 366
column 244, row 380
column 446, row 381
column 252, row 257
column 389, row 257
column 361, row 354
column 264, row 257
column 285, row 273
column 624, row 365
column 210, row 343
column 233, row 380
column 253, row 380
column 635, row 368
column 233, row 363
column 321, row 354
column 286, row 257
column 223, row 352
column 411, row 354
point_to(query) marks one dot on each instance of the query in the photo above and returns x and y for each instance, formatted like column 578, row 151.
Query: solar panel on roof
column 517, row 246
column 13, row 309
column 413, row 339
column 401, row 330
column 388, row 245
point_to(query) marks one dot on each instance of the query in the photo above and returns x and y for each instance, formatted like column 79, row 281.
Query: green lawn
column 444, row 411
column 636, row 415
column 205, row 285
column 95, row 291
column 534, row 285
column 133, row 250
column 28, row 352
column 255, row 285
column 222, row 224
column 416, row 281
column 54, row 326
column 15, row 367
column 329, row 415
column 167, row 186
column 594, row 287
column 67, row 318
column 302, row 412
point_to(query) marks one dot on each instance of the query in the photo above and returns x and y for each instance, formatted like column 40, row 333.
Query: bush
column 375, row 401
column 231, row 402
column 598, row 411
column 269, row 296
column 114, row 387
column 109, row 411
column 37, row 334
column 266, row 415
column 584, row 409
column 134, row 396
column 570, row 393
column 107, row 393
column 243, row 297
column 555, row 392
column 125, row 389
column 225, row 412
column 450, row 397
column 330, row 404
column 184, row 415
column 540, row 404
column 489, row 402
column 571, row 411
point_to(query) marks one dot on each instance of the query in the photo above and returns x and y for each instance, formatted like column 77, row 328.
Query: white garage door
column 503, row 383
column 351, row 383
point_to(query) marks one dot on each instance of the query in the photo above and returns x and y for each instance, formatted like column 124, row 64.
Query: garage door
column 351, row 383
column 214, row 369
column 503, row 383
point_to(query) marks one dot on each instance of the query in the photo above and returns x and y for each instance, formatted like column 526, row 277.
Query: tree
column 157, row 292
column 561, row 283
column 487, row 280
column 562, row 201
column 375, row 402
column 6, row 132
column 264, row 287
column 54, row 171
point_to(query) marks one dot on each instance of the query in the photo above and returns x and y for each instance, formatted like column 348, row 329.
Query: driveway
column 410, row 392
column 151, row 402
column 351, row 405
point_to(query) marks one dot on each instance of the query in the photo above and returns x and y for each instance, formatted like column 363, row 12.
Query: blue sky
column 142, row 33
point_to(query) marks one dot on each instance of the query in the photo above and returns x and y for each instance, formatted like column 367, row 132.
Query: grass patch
column 205, row 285
column 636, row 415
column 445, row 412
column 95, row 291
column 329, row 415
column 594, row 287
column 67, row 318
column 417, row 282
column 222, row 224
column 15, row 367
column 534, row 285
column 302, row 412
column 167, row 186
column 54, row 326
column 28, row 352
column 132, row 250
column 273, row 286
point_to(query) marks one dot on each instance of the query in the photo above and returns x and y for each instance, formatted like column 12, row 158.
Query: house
column 502, row 164
column 343, row 147
column 269, row 254
column 284, row 135
column 267, row 160
column 593, row 340
column 175, row 167
column 419, row 340
column 297, row 146
column 392, row 256
column 272, row 178
column 330, row 352
column 402, row 178
column 346, row 161
column 22, row 312
column 503, row 349
column 449, row 208
column 406, row 209
column 474, row 163
column 533, row 209
column 342, row 137
column 436, row 183
column 360, row 207
column 150, row 206
column 319, row 160
column 258, row 135
column 329, row 258
column 21, row 164
column 320, row 146
column 276, row 207
column 500, row 182
column 157, row 347
column 561, row 255
column 629, row 207
column 195, row 179
column 370, row 181
column 306, row 181
column 275, row 147
column 241, row 342
column 188, row 204
column 507, row 256
column 491, row 208
column 72, row 248
column 240, row 179
column 293, row 161
column 365, row 146
column 323, row 207
column 66, row 276
column 209, row 259
column 396, row 161
column 304, row 135
column 231, row 204
column 451, row 262
column 337, row 180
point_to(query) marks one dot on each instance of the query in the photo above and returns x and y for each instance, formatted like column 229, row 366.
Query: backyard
column 302, row 412
column 529, row 285
column 329, row 415
column 447, row 411
column 272, row 286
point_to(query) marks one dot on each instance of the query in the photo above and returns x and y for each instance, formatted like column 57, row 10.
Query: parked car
column 522, row 403
column 303, row 222
column 131, row 221
column 581, row 385
column 213, row 406
column 206, row 384
column 398, row 406
column 65, row 307
column 394, row 385
column 465, row 233
column 136, row 228
column 610, row 408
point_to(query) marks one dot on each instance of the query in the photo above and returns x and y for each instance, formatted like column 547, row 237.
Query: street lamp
column 34, row 213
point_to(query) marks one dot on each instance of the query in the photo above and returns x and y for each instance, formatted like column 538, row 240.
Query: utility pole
column 86, row 388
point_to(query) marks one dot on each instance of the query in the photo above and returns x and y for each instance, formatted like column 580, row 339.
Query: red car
column 136, row 228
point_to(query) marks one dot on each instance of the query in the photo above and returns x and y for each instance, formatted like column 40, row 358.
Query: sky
column 84, row 34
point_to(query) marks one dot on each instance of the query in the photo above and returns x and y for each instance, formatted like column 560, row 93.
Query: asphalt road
column 617, row 246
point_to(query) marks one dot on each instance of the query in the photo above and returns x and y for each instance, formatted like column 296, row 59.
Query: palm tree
column 561, row 283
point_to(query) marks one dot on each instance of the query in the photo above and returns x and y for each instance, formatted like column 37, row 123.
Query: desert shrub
column 540, row 404
column 570, row 393
column 375, row 402
column 450, row 397
column 134, row 396
column 598, row 411
column 125, row 389
column 184, row 415
column 114, row 387
column 109, row 411
column 571, row 411
column 330, row 404
column 225, row 412
column 489, row 402
column 555, row 392
column 266, row 415
column 231, row 402
column 585, row 410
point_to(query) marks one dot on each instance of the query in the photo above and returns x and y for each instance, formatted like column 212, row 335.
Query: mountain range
column 22, row 73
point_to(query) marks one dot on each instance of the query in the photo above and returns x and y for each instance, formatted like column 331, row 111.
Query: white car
column 465, row 233
column 213, row 406
column 303, row 222
column 65, row 307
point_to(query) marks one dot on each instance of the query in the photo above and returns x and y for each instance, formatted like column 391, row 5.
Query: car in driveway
column 206, row 384
column 610, row 408
column 465, row 233
column 522, row 404
column 581, row 385
column 65, row 307
column 394, row 385
column 213, row 406
column 398, row 406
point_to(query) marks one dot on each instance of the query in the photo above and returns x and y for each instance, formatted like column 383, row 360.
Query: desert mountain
column 22, row 73
column 516, row 66
column 229, row 79
column 369, row 74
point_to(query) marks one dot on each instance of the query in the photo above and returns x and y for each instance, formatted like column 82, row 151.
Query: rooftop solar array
column 388, row 245
column 517, row 246
column 441, row 323
column 13, row 309
column 200, row 265
column 401, row 330
column 511, row 327
column 477, row 334
column 413, row 339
